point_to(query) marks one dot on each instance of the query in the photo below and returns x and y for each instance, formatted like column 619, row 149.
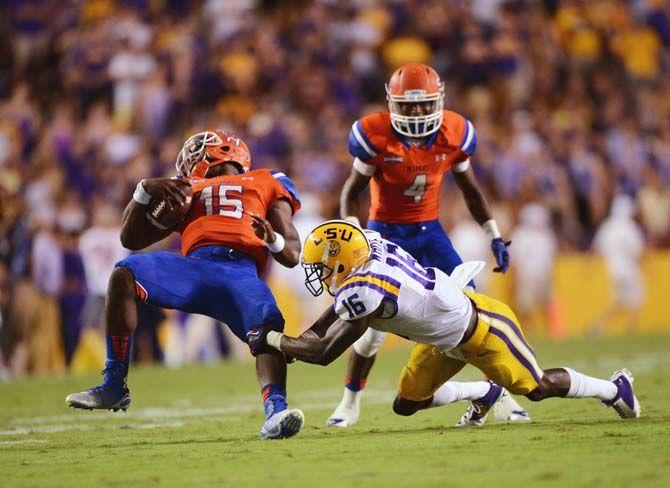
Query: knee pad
column 404, row 407
column 368, row 344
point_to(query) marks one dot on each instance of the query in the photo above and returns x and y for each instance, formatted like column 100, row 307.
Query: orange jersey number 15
column 223, row 200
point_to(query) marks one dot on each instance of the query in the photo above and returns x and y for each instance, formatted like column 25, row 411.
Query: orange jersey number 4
column 417, row 188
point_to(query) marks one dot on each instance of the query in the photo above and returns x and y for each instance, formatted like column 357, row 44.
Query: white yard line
column 22, row 441
column 181, row 413
column 164, row 416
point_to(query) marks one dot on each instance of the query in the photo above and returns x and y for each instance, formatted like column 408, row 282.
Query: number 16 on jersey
column 353, row 306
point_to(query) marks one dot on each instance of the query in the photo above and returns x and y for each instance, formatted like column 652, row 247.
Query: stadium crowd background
column 571, row 101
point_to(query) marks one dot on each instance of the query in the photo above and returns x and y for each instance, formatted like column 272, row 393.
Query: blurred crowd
column 570, row 98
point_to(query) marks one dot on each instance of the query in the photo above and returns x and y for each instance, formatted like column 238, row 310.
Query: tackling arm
column 353, row 187
column 325, row 341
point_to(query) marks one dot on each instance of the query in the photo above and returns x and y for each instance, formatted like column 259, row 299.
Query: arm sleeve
column 364, row 293
column 286, row 189
column 468, row 141
column 356, row 300
column 363, row 168
column 461, row 167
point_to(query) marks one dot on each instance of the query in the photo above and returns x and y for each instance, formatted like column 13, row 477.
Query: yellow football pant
column 497, row 347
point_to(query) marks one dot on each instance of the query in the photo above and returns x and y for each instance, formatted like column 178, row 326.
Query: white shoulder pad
column 465, row 272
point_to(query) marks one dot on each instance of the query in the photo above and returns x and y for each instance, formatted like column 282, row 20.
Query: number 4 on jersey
column 418, row 188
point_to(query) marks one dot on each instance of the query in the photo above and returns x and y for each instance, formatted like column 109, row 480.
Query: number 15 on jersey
column 218, row 200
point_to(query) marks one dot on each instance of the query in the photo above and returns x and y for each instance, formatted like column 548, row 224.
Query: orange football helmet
column 205, row 150
column 416, row 98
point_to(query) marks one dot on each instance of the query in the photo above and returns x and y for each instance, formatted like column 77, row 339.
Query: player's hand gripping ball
column 170, row 201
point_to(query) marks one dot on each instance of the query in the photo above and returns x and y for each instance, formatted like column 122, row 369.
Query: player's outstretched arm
column 279, row 233
column 136, row 231
column 324, row 342
column 353, row 187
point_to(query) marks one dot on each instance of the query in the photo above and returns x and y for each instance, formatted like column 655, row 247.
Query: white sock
column 582, row 386
column 352, row 398
column 454, row 391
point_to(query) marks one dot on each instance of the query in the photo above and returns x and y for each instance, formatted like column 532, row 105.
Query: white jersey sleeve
column 363, row 294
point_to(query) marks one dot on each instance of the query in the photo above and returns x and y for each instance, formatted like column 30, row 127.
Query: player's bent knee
column 545, row 389
column 121, row 282
column 536, row 395
column 405, row 407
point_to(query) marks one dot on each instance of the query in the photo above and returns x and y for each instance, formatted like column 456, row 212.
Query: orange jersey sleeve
column 460, row 133
column 220, row 206
column 368, row 139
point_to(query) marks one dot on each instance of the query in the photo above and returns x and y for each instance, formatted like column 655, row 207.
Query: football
column 163, row 215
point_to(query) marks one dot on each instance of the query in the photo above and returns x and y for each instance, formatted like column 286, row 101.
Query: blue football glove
column 257, row 339
column 499, row 248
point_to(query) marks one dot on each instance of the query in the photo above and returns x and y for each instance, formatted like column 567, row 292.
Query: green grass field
column 198, row 426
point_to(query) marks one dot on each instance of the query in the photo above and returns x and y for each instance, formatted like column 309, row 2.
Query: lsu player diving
column 224, row 247
column 404, row 154
column 379, row 285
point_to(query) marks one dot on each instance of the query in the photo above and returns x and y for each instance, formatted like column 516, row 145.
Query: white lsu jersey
column 424, row 305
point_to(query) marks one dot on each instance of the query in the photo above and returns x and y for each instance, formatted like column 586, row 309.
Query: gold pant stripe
column 515, row 345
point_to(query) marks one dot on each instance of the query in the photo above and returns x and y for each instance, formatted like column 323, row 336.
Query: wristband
column 353, row 219
column 491, row 229
column 278, row 244
column 274, row 339
column 141, row 196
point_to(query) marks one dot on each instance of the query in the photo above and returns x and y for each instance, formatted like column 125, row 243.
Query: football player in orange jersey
column 403, row 154
column 236, row 217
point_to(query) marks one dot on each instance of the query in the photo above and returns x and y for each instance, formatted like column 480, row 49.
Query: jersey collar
column 405, row 141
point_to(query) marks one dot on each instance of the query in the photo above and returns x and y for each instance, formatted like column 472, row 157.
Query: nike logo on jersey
column 393, row 159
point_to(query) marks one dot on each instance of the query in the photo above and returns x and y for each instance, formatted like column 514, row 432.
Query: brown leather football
column 161, row 214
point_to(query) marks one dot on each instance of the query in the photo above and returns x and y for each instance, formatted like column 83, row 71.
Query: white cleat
column 345, row 415
column 625, row 402
column 283, row 425
column 347, row 412
column 478, row 410
column 507, row 409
